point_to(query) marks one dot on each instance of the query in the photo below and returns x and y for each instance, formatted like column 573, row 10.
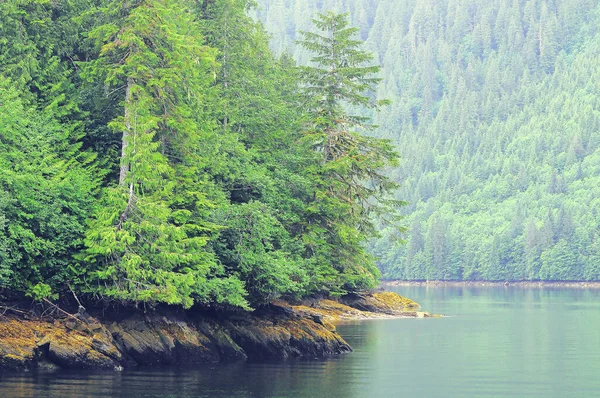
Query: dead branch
column 6, row 308
column 62, row 311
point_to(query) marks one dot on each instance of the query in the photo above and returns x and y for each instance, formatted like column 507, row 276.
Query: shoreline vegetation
column 177, row 161
column 524, row 284
column 128, row 337
column 189, row 184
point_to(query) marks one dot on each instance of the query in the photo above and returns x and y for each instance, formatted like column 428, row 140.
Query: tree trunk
column 126, row 133
column 124, row 161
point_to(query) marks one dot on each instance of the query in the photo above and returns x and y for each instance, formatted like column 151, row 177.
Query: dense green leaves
column 147, row 241
column 156, row 151
column 46, row 193
column 258, row 250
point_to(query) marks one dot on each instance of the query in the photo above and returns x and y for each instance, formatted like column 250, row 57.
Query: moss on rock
column 361, row 306
column 280, row 330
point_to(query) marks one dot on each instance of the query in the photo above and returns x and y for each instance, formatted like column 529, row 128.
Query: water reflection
column 499, row 341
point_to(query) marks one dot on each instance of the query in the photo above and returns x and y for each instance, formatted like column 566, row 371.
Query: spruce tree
column 147, row 241
column 349, row 184
column 47, row 189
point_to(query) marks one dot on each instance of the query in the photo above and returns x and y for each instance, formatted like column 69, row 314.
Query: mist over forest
column 495, row 112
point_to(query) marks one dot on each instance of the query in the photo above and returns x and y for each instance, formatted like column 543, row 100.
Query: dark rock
column 282, row 311
column 227, row 349
column 168, row 337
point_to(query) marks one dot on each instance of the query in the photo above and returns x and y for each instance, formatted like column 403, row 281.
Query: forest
column 495, row 112
column 157, row 151
column 227, row 153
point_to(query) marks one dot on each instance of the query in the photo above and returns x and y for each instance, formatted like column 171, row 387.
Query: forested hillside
column 156, row 151
column 496, row 114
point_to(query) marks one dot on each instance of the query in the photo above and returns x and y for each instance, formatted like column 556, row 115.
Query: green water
column 496, row 342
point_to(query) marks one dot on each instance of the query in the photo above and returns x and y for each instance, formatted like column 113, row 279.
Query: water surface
column 496, row 342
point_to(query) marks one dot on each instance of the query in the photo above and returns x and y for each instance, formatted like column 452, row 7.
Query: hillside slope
column 495, row 113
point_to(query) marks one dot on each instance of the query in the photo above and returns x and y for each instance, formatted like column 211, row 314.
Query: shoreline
column 130, row 337
column 522, row 284
column 381, row 305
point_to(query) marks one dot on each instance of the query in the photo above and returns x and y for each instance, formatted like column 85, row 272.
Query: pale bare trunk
column 225, row 77
column 124, row 162
column 126, row 133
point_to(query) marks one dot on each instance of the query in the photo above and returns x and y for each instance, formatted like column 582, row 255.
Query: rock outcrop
column 280, row 330
column 361, row 306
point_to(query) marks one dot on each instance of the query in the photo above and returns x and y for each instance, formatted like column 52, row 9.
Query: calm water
column 511, row 342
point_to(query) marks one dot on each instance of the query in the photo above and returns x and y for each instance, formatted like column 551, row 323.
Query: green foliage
column 156, row 151
column 349, row 185
column 494, row 112
column 147, row 242
column 42, row 291
column 47, row 189
column 258, row 250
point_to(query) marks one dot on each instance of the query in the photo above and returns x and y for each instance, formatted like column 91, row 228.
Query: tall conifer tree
column 148, row 238
column 350, row 185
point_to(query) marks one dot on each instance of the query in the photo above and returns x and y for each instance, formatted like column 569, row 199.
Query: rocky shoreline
column 170, row 336
column 527, row 284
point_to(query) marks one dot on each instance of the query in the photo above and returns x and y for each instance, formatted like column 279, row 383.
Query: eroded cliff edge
column 133, row 338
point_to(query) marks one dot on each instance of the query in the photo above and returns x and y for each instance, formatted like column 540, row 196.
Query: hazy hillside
column 495, row 110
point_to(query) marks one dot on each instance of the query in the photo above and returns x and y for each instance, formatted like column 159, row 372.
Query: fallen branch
column 62, row 311
column 81, row 310
column 6, row 308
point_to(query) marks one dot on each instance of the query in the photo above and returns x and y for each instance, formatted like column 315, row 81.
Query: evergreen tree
column 147, row 242
column 47, row 189
column 350, row 186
